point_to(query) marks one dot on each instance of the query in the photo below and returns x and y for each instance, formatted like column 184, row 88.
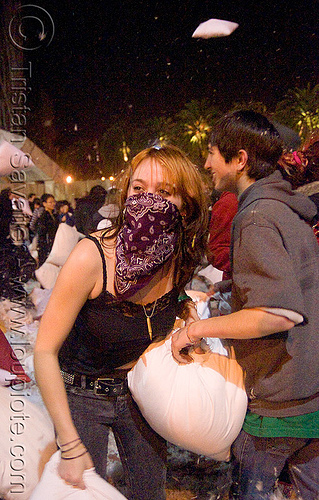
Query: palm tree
column 159, row 130
column 194, row 122
column 300, row 110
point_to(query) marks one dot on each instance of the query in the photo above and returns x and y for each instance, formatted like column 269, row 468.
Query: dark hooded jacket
column 275, row 262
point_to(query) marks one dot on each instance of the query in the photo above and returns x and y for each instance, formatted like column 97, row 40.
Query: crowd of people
column 125, row 283
column 43, row 215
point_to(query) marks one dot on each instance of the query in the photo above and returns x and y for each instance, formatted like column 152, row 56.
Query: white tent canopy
column 43, row 168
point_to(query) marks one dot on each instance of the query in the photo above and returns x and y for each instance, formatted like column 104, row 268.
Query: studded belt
column 106, row 386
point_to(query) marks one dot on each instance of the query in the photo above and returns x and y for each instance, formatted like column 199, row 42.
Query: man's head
column 244, row 144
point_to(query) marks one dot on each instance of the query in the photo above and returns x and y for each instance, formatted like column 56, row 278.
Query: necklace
column 148, row 319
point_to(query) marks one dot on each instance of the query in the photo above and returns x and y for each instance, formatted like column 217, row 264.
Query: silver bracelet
column 192, row 342
column 72, row 458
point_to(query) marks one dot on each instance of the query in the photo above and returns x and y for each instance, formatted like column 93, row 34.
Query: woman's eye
column 164, row 193
column 137, row 188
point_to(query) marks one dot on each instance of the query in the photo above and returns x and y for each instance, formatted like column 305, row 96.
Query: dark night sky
column 117, row 58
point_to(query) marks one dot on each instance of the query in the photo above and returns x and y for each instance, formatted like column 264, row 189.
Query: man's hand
column 181, row 344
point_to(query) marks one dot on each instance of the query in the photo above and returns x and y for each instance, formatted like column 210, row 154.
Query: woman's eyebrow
column 138, row 180
column 163, row 183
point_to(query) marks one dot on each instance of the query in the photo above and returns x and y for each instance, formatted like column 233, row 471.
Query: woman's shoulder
column 84, row 258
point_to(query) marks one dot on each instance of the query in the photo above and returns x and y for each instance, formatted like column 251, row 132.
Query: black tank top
column 110, row 332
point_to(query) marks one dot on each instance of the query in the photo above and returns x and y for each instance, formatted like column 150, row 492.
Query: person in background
column 222, row 214
column 31, row 198
column 38, row 209
column 118, row 292
column 301, row 169
column 36, row 204
column 273, row 326
column 108, row 213
column 46, row 227
column 86, row 208
column 64, row 213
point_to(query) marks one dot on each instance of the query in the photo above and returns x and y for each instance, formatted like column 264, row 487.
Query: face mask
column 146, row 241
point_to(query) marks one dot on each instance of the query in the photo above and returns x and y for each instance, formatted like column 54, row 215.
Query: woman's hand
column 181, row 342
column 71, row 471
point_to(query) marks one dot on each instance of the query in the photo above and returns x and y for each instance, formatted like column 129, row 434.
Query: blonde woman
column 116, row 294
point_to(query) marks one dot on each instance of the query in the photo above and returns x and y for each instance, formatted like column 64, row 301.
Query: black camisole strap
column 100, row 249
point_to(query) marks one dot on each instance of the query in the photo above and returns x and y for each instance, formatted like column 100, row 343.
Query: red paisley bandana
column 146, row 241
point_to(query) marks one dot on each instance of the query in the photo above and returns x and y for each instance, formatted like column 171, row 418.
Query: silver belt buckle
column 98, row 390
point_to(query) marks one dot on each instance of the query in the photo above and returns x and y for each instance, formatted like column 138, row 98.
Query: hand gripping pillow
column 53, row 487
column 198, row 406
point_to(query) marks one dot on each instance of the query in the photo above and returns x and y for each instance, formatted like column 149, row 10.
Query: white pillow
column 214, row 28
column 65, row 240
column 53, row 487
column 26, row 443
column 198, row 406
column 47, row 274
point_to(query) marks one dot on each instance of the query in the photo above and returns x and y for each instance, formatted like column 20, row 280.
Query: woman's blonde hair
column 187, row 182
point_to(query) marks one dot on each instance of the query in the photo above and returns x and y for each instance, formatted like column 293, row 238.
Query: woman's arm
column 244, row 324
column 79, row 277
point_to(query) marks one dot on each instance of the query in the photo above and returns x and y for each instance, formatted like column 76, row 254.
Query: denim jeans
column 142, row 451
column 259, row 461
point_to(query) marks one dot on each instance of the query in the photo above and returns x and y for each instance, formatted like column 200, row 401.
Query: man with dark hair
column 274, row 322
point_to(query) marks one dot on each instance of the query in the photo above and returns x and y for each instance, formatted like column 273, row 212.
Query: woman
column 46, row 227
column 117, row 292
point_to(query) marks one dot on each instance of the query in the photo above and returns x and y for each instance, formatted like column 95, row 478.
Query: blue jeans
column 142, row 451
column 259, row 461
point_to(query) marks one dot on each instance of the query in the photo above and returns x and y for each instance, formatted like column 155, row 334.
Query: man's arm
column 244, row 324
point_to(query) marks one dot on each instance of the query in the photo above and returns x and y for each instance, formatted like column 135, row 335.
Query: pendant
column 149, row 327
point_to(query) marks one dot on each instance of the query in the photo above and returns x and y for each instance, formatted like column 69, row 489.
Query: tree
column 160, row 130
column 300, row 110
column 193, row 127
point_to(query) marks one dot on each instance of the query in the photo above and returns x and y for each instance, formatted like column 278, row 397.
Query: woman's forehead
column 151, row 169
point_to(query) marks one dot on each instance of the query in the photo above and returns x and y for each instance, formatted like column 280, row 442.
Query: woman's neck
column 161, row 283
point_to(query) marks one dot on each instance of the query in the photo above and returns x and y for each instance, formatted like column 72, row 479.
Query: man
column 274, row 326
